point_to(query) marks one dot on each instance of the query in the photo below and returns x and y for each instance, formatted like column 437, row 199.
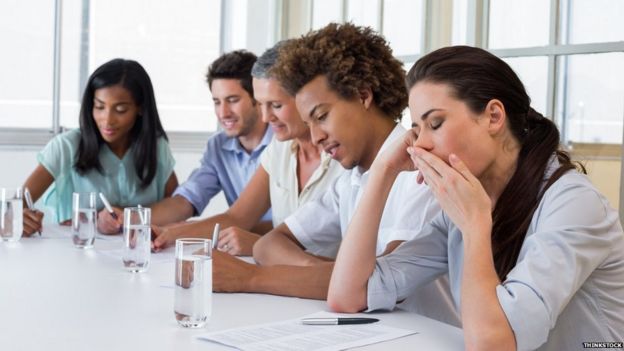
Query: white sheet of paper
column 292, row 335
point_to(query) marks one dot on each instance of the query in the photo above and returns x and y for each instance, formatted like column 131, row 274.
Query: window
column 400, row 21
column 518, row 23
column 174, row 41
column 578, row 81
column 592, row 98
column 26, row 94
column 570, row 56
column 532, row 70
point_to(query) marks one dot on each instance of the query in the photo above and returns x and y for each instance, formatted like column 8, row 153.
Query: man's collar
column 232, row 143
column 358, row 172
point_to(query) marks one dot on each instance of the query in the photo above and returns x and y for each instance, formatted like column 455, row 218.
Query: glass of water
column 11, row 207
column 193, row 282
column 137, row 239
column 84, row 216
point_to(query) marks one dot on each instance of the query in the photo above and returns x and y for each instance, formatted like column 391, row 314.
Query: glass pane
column 326, row 11
column 533, row 74
column 406, row 119
column 402, row 25
column 518, row 23
column 363, row 13
column 174, row 41
column 74, row 61
column 592, row 21
column 591, row 102
column 460, row 22
column 26, row 64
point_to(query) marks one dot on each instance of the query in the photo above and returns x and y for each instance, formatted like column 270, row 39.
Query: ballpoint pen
column 108, row 206
column 338, row 321
column 215, row 236
column 30, row 204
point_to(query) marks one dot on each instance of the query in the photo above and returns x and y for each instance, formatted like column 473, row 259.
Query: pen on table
column 108, row 206
column 215, row 236
column 338, row 321
column 29, row 203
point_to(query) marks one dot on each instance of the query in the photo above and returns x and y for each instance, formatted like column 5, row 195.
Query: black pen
column 338, row 321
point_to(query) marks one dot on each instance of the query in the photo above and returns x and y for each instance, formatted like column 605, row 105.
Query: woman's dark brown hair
column 144, row 134
column 475, row 77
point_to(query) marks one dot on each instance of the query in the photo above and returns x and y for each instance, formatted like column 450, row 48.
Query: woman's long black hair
column 147, row 127
column 476, row 77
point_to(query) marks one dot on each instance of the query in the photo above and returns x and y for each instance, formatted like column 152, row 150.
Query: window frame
column 478, row 34
column 35, row 138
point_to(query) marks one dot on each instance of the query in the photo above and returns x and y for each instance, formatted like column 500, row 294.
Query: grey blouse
column 567, row 287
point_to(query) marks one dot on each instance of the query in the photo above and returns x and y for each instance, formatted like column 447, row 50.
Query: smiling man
column 233, row 154
column 350, row 91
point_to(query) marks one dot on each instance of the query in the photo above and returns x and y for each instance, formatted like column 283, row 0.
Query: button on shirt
column 279, row 160
column 226, row 166
column 567, row 286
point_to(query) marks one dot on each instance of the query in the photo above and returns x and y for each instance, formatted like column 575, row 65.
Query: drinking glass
column 11, row 207
column 84, row 219
column 137, row 239
column 193, row 282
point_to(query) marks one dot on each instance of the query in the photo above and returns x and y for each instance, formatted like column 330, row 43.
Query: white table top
column 56, row 297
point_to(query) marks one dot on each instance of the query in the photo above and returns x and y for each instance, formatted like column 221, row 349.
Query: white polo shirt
column 319, row 225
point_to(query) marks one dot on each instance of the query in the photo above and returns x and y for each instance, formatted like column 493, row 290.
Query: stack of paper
column 292, row 335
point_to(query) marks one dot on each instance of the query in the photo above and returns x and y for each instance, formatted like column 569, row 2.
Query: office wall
column 16, row 165
column 605, row 174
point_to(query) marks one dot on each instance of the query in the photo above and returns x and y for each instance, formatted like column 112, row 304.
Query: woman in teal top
column 120, row 150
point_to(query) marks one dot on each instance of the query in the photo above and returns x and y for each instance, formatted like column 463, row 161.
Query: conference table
column 54, row 296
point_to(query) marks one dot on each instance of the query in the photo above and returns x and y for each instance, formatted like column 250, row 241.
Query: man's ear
column 495, row 112
column 366, row 97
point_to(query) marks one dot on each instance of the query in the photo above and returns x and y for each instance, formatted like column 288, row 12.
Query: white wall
column 16, row 165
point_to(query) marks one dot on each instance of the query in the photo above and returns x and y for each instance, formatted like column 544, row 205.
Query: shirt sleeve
column 203, row 183
column 413, row 264
column 411, row 206
column 574, row 231
column 57, row 157
column 316, row 224
column 166, row 164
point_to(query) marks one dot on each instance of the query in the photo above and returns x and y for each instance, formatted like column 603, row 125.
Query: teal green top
column 118, row 181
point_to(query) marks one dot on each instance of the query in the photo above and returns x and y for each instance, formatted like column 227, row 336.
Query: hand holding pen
column 109, row 219
column 32, row 218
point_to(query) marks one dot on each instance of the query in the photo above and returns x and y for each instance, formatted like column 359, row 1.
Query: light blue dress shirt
column 118, row 181
column 225, row 166
column 567, row 286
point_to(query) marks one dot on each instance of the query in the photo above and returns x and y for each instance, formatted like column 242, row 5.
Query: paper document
column 291, row 335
